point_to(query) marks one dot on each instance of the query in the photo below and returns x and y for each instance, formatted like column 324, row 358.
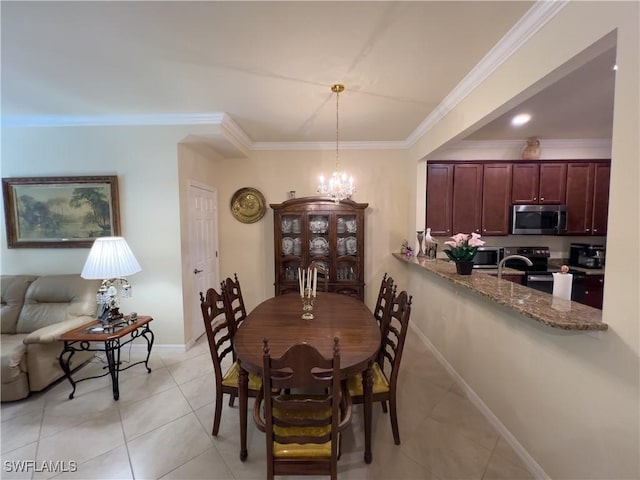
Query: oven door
column 540, row 281
column 543, row 282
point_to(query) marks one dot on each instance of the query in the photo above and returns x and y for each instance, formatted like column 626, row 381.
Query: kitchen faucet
column 512, row 257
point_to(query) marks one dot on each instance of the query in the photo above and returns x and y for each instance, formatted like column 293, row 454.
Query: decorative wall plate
column 248, row 205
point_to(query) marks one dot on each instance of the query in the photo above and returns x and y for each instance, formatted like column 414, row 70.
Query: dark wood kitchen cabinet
column 496, row 196
column 539, row 183
column 594, row 290
column 476, row 196
column 439, row 198
column 454, row 198
column 467, row 198
column 587, row 198
column 601, row 178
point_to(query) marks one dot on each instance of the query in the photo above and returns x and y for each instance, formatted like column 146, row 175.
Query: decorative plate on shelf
column 318, row 224
column 287, row 246
column 319, row 246
column 248, row 205
column 352, row 245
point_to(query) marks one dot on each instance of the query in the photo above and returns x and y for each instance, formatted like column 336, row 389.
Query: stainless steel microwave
column 539, row 219
column 488, row 257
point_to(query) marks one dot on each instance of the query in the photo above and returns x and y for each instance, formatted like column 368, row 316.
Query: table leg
column 68, row 351
column 112, row 352
column 149, row 339
column 367, row 389
column 243, row 393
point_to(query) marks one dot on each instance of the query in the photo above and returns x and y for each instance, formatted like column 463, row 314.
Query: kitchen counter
column 553, row 262
column 542, row 307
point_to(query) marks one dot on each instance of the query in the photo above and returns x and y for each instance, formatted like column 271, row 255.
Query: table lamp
column 110, row 259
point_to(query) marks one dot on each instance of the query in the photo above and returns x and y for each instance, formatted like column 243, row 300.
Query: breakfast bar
column 542, row 307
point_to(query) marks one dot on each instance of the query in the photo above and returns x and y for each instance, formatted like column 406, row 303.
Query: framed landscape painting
column 60, row 212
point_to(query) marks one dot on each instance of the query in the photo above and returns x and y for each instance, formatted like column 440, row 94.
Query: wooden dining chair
column 302, row 429
column 385, row 297
column 323, row 275
column 220, row 337
column 387, row 367
column 233, row 302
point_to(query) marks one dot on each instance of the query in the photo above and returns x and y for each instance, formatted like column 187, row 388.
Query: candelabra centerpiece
column 308, row 281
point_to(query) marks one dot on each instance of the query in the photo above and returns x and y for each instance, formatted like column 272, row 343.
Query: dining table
column 278, row 319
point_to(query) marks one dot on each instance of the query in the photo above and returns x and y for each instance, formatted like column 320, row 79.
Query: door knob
column 196, row 271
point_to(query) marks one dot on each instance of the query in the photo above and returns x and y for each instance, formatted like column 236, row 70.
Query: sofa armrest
column 52, row 333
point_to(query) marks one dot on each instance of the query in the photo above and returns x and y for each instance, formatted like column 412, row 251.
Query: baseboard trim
column 534, row 468
column 142, row 346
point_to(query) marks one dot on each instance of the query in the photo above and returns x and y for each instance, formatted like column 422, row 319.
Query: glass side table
column 94, row 337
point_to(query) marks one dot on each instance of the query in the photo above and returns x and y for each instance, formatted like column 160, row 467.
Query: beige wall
column 145, row 161
column 247, row 249
column 570, row 399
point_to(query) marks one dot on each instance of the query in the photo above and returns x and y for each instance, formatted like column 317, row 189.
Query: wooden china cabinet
column 316, row 228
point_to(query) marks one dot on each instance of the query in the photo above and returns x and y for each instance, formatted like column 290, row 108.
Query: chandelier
column 340, row 185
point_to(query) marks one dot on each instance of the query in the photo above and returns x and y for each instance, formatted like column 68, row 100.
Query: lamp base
column 110, row 315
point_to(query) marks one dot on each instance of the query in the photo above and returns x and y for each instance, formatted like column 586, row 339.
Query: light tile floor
column 161, row 428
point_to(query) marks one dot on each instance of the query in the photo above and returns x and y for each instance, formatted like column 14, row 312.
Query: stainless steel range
column 539, row 275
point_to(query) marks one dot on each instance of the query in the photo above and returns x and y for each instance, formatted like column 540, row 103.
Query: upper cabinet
column 439, row 198
column 467, row 198
column 587, row 198
column 318, row 229
column 600, row 198
column 477, row 196
column 539, row 183
column 496, row 188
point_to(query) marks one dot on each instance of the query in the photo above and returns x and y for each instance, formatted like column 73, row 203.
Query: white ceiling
column 269, row 66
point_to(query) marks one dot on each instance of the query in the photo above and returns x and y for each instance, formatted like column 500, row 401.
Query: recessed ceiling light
column 615, row 67
column 520, row 119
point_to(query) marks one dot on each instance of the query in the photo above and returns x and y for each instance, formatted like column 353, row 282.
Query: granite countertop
column 542, row 307
column 556, row 262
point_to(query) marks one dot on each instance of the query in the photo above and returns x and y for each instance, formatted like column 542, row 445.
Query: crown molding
column 232, row 131
column 386, row 145
column 551, row 149
column 535, row 18
column 113, row 120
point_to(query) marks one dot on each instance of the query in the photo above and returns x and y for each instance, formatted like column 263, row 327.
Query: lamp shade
column 110, row 257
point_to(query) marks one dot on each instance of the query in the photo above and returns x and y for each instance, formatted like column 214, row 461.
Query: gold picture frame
column 60, row 212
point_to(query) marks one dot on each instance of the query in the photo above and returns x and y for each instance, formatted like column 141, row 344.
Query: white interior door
column 203, row 248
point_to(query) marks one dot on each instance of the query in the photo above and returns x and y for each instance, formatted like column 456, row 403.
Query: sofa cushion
column 55, row 298
column 13, row 361
column 13, row 288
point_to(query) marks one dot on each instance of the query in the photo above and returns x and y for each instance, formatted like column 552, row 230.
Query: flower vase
column 420, row 238
column 464, row 267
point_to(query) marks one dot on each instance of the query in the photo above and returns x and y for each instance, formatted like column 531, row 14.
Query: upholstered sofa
column 36, row 310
